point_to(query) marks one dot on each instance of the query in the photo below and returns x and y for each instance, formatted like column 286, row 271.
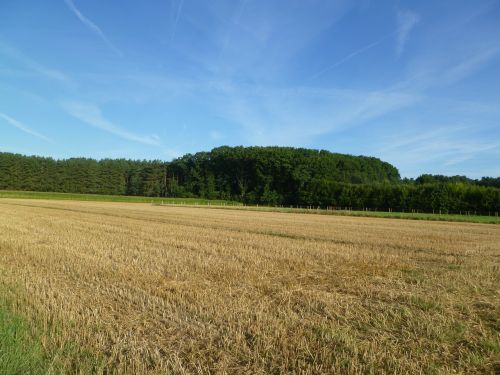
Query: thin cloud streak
column 91, row 115
column 92, row 26
column 176, row 20
column 469, row 66
column 351, row 55
column 407, row 20
column 33, row 65
column 277, row 116
column 235, row 21
column 442, row 146
column 19, row 125
column 334, row 109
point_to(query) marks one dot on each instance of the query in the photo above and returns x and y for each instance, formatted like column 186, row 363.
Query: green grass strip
column 20, row 351
column 112, row 198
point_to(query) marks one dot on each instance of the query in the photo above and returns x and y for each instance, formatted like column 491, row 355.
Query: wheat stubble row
column 196, row 290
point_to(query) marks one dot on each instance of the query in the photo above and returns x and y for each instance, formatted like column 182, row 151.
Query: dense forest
column 257, row 175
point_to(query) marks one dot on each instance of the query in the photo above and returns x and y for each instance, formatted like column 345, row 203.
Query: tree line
column 257, row 175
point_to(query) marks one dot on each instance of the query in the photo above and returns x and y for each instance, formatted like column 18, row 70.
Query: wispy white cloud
column 92, row 26
column 49, row 73
column 471, row 64
column 256, row 40
column 215, row 135
column 91, row 115
column 8, row 89
column 178, row 11
column 42, row 70
column 234, row 23
column 352, row 55
column 19, row 125
column 463, row 151
column 296, row 116
column 426, row 73
column 268, row 114
column 172, row 153
column 407, row 20
column 441, row 149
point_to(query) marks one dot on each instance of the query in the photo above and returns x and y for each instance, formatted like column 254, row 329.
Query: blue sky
column 415, row 83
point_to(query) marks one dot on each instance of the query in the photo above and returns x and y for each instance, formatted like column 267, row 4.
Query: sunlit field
column 110, row 287
column 493, row 218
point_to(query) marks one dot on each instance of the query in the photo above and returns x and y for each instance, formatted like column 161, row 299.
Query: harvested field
column 135, row 288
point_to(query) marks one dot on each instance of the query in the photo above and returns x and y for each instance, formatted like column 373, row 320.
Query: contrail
column 19, row 125
column 177, row 17
column 235, row 21
column 353, row 54
column 92, row 26
column 90, row 114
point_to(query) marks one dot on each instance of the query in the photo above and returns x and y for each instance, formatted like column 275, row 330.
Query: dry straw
column 195, row 290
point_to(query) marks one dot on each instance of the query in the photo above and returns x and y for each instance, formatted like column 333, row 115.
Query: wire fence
column 327, row 208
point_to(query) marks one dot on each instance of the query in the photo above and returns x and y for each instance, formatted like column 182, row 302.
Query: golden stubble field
column 152, row 289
